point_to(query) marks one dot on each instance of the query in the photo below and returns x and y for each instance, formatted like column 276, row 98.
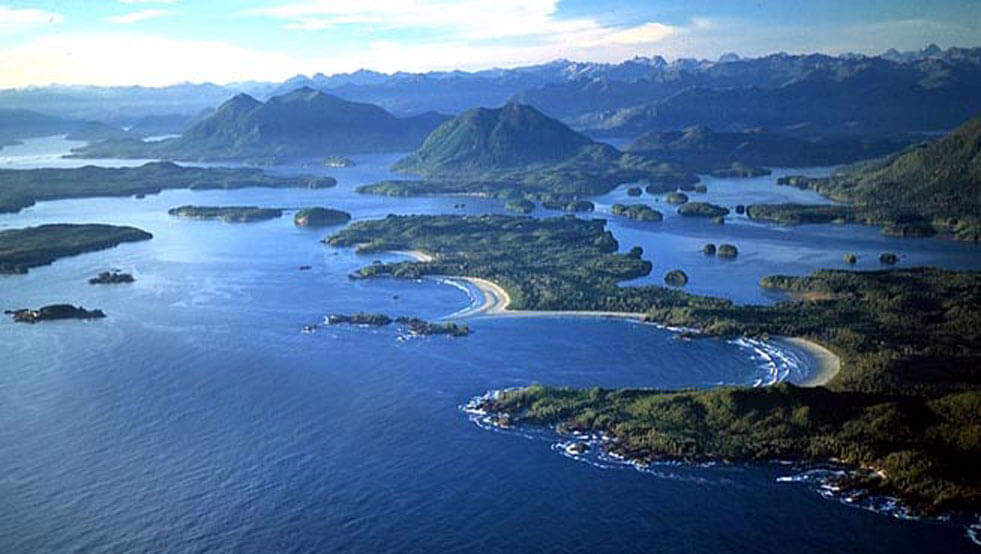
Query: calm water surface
column 198, row 418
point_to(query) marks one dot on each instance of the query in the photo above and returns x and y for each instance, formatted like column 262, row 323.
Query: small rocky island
column 702, row 209
column 639, row 212
column 360, row 318
column 320, row 217
column 227, row 214
column 425, row 328
column 112, row 277
column 727, row 251
column 54, row 312
column 676, row 278
column 414, row 325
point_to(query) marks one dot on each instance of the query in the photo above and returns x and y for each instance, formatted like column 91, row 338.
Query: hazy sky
column 156, row 42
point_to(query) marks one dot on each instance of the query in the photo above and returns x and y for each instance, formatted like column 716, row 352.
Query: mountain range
column 302, row 124
column 929, row 90
column 16, row 125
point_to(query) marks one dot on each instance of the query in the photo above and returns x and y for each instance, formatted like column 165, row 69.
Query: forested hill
column 483, row 139
column 301, row 124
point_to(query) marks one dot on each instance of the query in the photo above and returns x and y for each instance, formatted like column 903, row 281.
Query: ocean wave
column 824, row 482
column 474, row 298
column 774, row 363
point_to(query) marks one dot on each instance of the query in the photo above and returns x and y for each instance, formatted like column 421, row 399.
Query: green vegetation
column 571, row 206
column 926, row 448
column 22, row 188
column 562, row 263
column 424, row 328
column 727, row 251
column 21, row 249
column 930, row 188
column 320, row 217
column 227, row 214
column 702, row 209
column 676, row 278
column 851, row 258
column 739, row 170
column 519, row 205
column 360, row 318
column 795, row 214
column 906, row 400
column 414, row 325
column 517, row 152
column 54, row 312
column 676, row 198
column 640, row 212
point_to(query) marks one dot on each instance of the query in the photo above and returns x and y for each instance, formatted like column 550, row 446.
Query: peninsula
column 927, row 189
column 22, row 249
column 21, row 188
column 905, row 392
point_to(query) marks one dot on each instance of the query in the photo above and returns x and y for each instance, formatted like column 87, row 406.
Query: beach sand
column 827, row 362
column 497, row 300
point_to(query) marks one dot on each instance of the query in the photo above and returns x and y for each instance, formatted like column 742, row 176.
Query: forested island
column 906, row 400
column 320, row 217
column 22, row 249
column 640, row 212
column 21, row 188
column 227, row 214
column 54, row 312
column 414, row 325
column 930, row 188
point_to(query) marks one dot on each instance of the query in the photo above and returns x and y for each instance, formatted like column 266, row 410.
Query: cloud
column 134, row 17
column 116, row 59
column 473, row 19
column 15, row 17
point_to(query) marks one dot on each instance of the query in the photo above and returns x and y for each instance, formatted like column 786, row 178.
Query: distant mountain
column 16, row 125
column 807, row 95
column 703, row 150
column 485, row 139
column 810, row 95
column 302, row 124
column 874, row 97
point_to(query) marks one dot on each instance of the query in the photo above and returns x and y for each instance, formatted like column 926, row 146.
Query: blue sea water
column 198, row 418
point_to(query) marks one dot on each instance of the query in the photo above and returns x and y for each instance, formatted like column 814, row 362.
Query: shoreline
column 827, row 364
column 496, row 300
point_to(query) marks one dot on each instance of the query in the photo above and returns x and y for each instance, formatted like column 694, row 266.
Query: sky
column 161, row 42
